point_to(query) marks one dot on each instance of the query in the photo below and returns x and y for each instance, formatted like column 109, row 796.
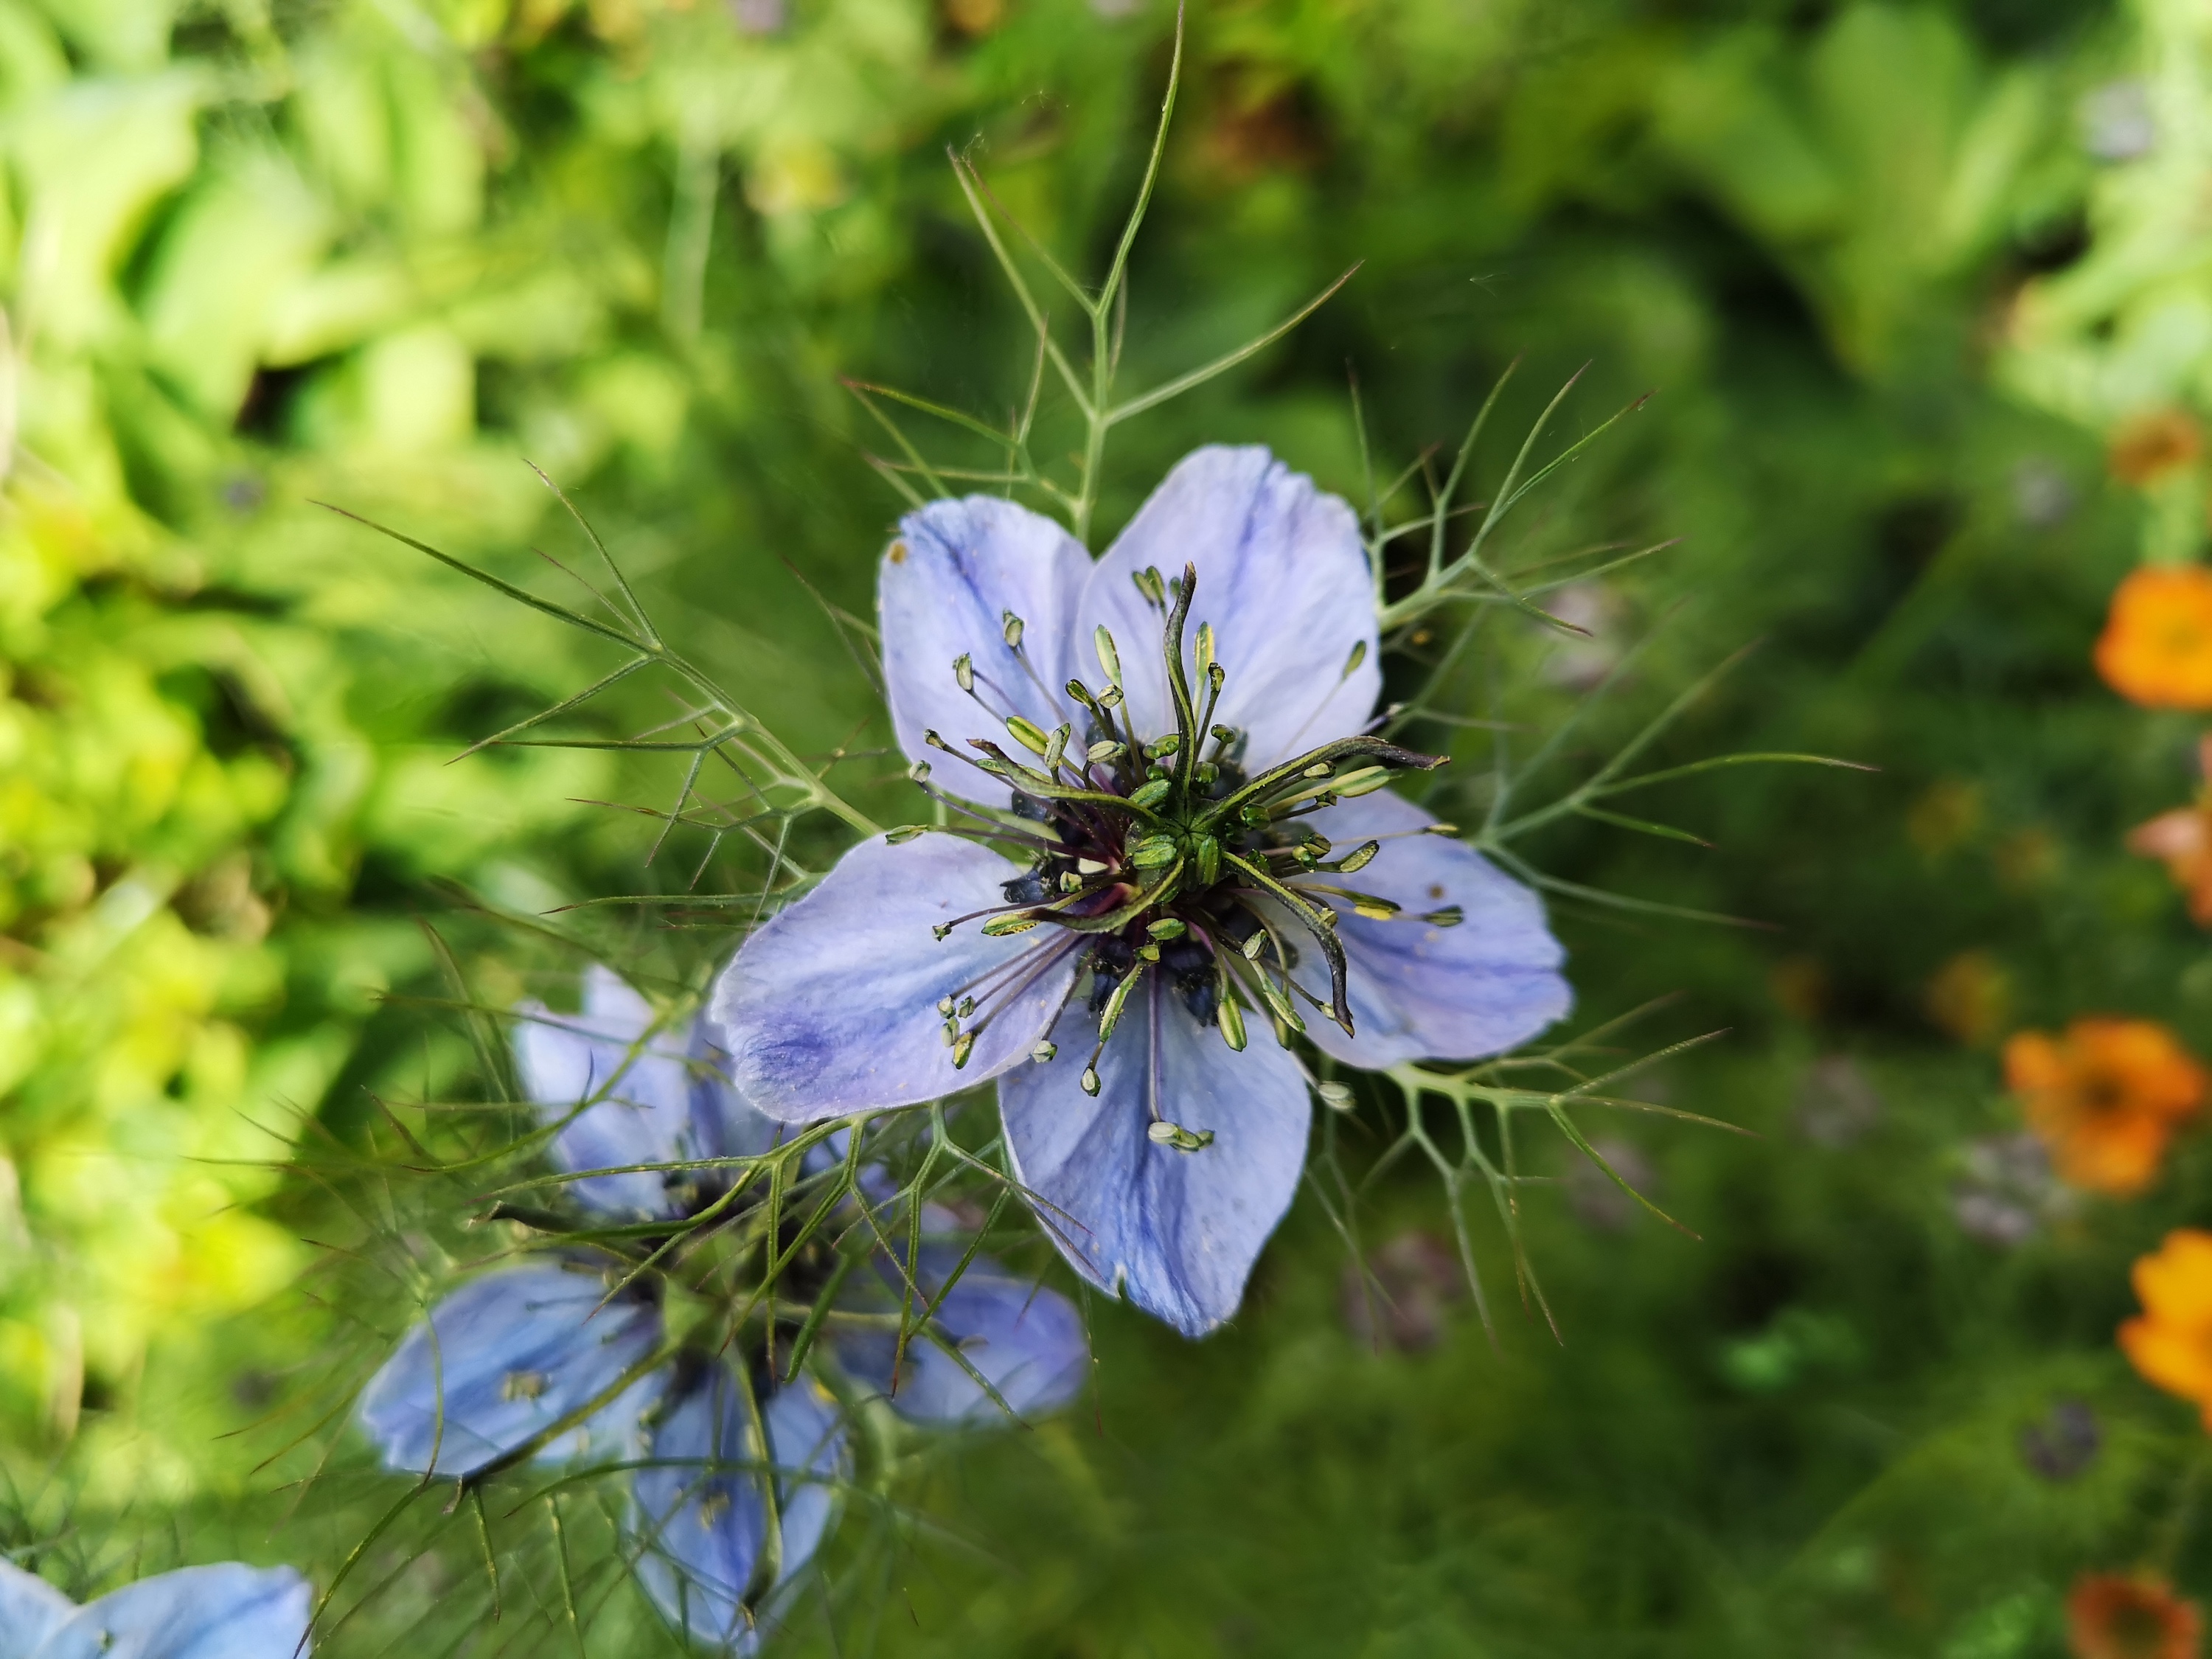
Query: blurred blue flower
column 701, row 1513
column 1182, row 884
column 226, row 1612
column 513, row 1352
column 523, row 1348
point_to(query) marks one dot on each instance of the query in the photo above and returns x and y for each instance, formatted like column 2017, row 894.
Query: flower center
column 1166, row 856
column 2104, row 1095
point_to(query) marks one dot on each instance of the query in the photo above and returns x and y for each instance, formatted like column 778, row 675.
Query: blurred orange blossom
column 2170, row 1341
column 2112, row 1617
column 2182, row 839
column 2152, row 445
column 2105, row 1098
column 2156, row 648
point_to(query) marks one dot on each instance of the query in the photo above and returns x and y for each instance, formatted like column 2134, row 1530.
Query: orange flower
column 2156, row 648
column 2105, row 1098
column 974, row 16
column 2112, row 1617
column 2171, row 1342
column 2151, row 446
column 2183, row 838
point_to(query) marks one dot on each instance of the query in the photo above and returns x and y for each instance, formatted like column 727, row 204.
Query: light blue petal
column 945, row 585
column 698, row 1525
column 31, row 1610
column 517, row 1350
column 699, row 1516
column 645, row 1112
column 724, row 1123
column 807, row 1432
column 1282, row 577
column 1419, row 991
column 226, row 1612
column 1027, row 1342
column 832, row 1008
column 1178, row 1230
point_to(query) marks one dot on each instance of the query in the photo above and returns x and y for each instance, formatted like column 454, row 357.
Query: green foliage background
column 1894, row 279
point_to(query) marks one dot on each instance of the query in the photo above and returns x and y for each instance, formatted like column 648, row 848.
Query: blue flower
column 523, row 1348
column 702, row 1504
column 226, row 1612
column 1204, row 839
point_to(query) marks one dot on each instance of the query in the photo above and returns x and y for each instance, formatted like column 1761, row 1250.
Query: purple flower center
column 1162, row 854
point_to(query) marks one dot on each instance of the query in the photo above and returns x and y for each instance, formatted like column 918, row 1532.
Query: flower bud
column 1208, row 852
column 1168, row 927
column 1360, row 857
column 1364, row 781
column 1150, row 794
column 1230, row 1018
column 1163, row 1133
column 1336, row 1096
column 1014, row 627
column 1153, row 851
column 1109, row 659
column 1026, row 734
column 1089, row 1081
column 1043, row 1052
column 963, row 670
column 1116, row 1004
column 1099, row 753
